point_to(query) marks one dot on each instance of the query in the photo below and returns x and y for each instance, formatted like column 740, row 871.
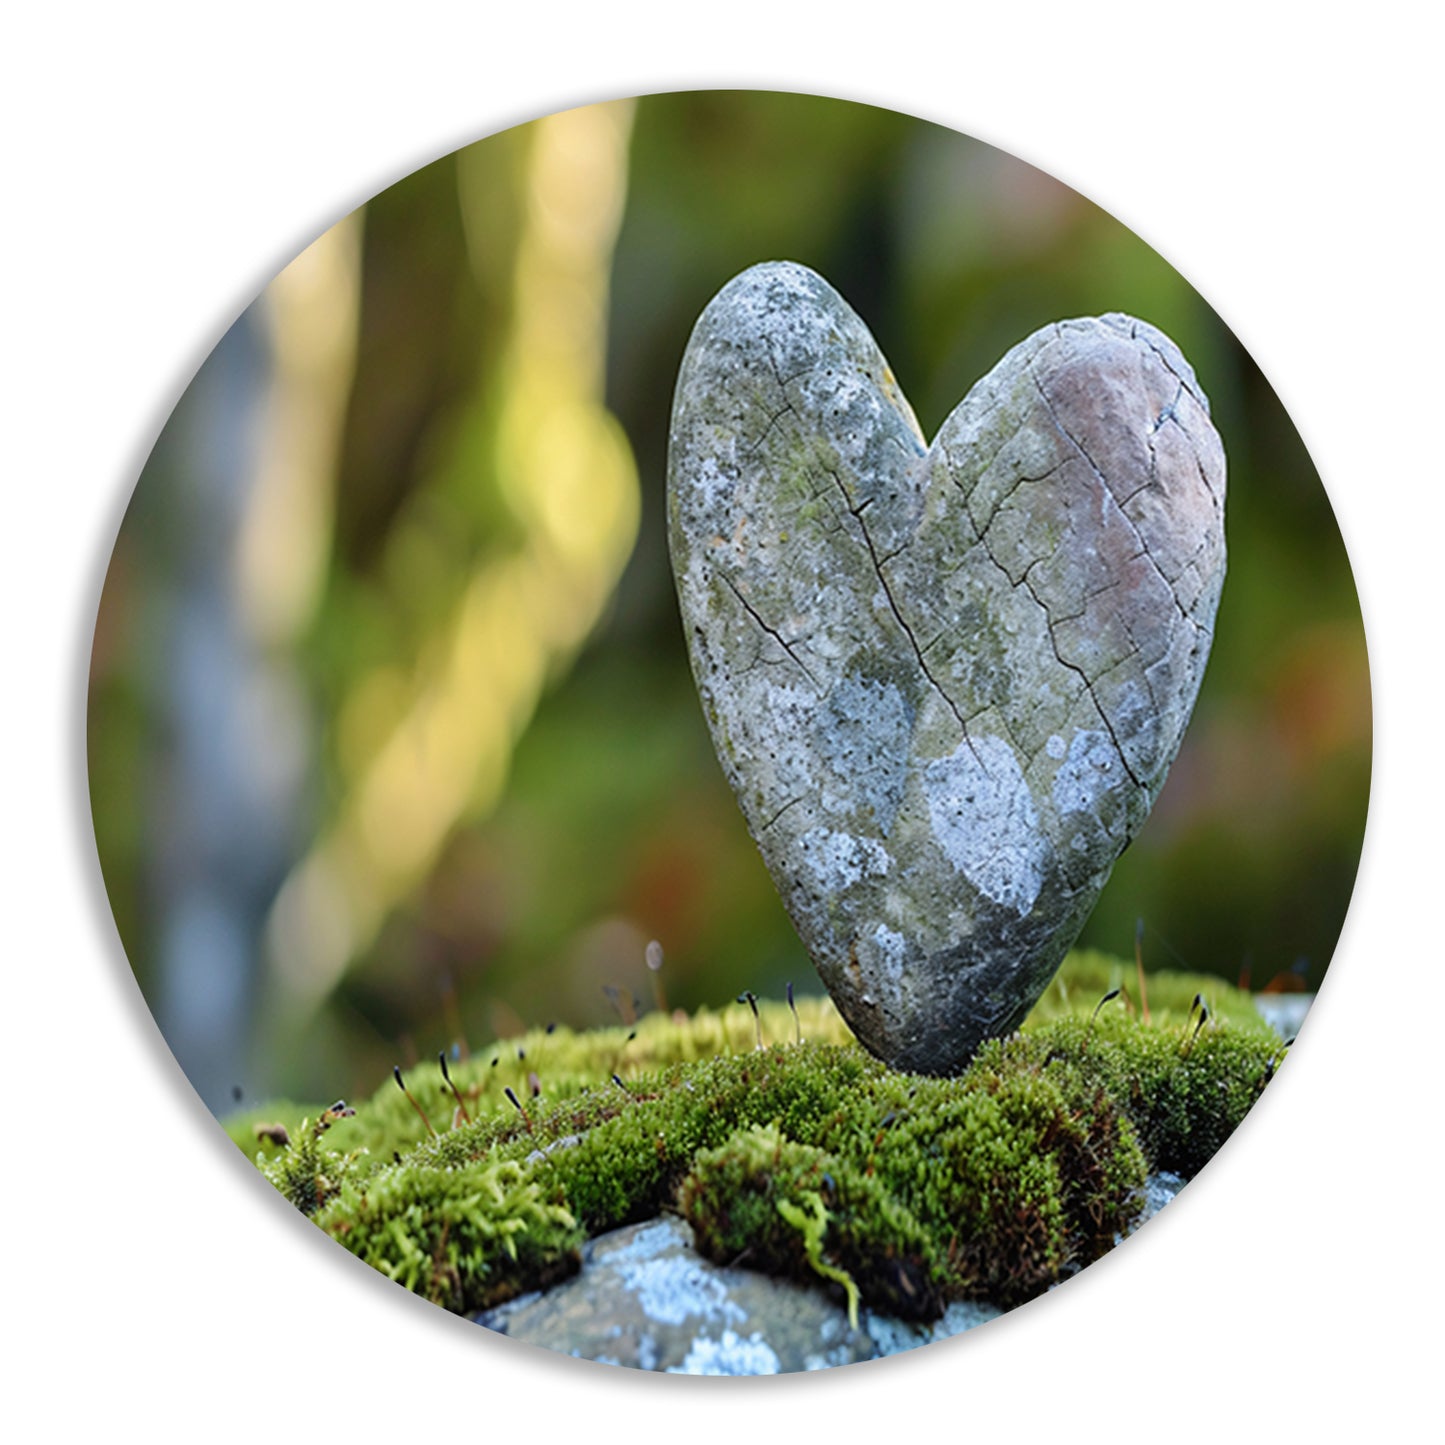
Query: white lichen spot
column 730, row 1355
column 839, row 860
column 894, row 1336
column 891, row 950
column 671, row 1288
column 1091, row 769
column 984, row 819
column 674, row 1290
column 1056, row 747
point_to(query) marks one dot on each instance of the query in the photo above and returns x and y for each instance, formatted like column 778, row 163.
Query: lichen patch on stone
column 669, row 1289
column 1089, row 770
column 839, row 860
column 729, row 1355
column 984, row 819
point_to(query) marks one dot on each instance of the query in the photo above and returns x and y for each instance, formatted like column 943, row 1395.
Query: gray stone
column 946, row 682
column 646, row 1299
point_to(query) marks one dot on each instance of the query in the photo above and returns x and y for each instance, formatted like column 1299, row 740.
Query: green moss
column 300, row 1168
column 254, row 1129
column 811, row 1160
column 464, row 1239
column 1184, row 1091
column 1088, row 975
column 763, row 1200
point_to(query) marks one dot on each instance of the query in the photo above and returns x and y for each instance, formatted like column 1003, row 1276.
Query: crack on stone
column 786, row 381
column 1000, row 503
column 1191, row 563
column 755, row 661
column 791, row 803
column 768, row 430
column 898, row 615
column 936, row 638
column 1171, row 415
column 1171, row 411
column 1013, row 742
column 1153, row 478
column 1099, row 707
column 1053, row 621
column 1163, row 360
column 1109, row 491
column 771, row 631
column 1062, row 661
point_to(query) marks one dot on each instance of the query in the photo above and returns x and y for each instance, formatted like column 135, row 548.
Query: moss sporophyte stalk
column 803, row 1157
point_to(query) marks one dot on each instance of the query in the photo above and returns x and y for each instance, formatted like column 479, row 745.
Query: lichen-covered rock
column 946, row 682
column 646, row 1299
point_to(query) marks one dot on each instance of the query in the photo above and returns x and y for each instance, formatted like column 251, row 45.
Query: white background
column 163, row 161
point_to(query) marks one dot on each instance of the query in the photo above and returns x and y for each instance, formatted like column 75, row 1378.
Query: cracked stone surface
column 946, row 682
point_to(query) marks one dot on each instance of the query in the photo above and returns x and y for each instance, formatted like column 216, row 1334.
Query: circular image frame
column 272, row 601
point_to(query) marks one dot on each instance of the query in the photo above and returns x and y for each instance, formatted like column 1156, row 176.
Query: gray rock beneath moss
column 647, row 1300
column 946, row 682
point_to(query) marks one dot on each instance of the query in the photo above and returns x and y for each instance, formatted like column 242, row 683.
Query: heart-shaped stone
column 946, row 682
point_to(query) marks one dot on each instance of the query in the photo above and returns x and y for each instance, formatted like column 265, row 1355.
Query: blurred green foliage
column 610, row 823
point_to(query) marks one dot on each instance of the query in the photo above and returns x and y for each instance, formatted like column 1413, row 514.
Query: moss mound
column 803, row 1156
